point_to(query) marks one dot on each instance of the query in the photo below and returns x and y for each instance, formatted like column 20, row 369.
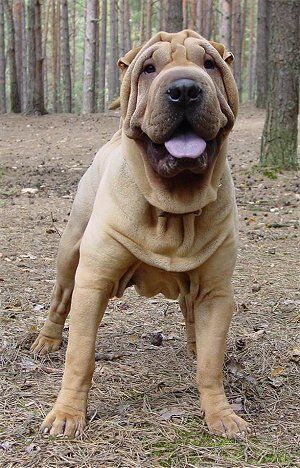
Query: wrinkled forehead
column 179, row 52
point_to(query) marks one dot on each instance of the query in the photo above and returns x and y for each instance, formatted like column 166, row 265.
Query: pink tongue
column 187, row 145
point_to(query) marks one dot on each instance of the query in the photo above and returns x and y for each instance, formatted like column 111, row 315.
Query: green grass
column 190, row 443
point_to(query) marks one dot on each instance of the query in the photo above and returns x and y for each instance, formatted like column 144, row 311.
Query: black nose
column 184, row 92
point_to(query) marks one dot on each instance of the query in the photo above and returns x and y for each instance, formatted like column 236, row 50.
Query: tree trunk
column 39, row 106
column 142, row 22
column 127, row 28
column 191, row 22
column 198, row 21
column 45, row 58
column 121, row 28
column 149, row 20
column 54, row 59
column 208, row 19
column 262, row 53
column 174, row 16
column 73, row 44
column 184, row 14
column 88, row 103
column 113, row 47
column 251, row 62
column 225, row 26
column 66, row 62
column 236, row 42
column 2, row 62
column 17, row 16
column 58, row 54
column 15, row 102
column 102, row 58
column 244, row 46
column 31, row 57
column 279, row 141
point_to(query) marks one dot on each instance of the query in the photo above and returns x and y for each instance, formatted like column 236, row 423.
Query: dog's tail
column 115, row 104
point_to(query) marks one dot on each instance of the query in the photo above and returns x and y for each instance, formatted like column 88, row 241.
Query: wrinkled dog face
column 177, row 115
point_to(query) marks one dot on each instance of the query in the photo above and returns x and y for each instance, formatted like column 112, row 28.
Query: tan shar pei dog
column 156, row 209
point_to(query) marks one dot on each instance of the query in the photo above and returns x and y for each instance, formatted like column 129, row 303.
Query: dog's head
column 178, row 103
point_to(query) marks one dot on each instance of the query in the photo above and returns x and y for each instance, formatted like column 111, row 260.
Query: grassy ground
column 144, row 408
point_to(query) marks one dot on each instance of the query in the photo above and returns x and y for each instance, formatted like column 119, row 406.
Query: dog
column 156, row 209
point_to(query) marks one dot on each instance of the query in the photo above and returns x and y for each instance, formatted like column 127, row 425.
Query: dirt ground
column 144, row 409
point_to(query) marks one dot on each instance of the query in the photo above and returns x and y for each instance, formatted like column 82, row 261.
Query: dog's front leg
column 95, row 278
column 212, row 319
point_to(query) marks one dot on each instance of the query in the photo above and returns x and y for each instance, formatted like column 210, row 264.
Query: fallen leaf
column 256, row 335
column 277, row 371
column 6, row 445
column 276, row 381
column 235, row 367
column 295, row 355
column 108, row 356
column 30, row 190
column 168, row 413
column 32, row 447
column 38, row 307
column 28, row 365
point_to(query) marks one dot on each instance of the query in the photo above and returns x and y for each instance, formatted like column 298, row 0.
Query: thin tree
column 73, row 43
column 142, row 22
column 113, row 47
column 237, row 42
column 58, row 53
column 251, row 61
column 15, row 102
column 39, row 105
column 54, row 68
column 262, row 53
column 24, row 61
column 17, row 16
column 149, row 20
column 2, row 62
column 191, row 22
column 31, row 57
column 66, row 60
column 121, row 28
column 198, row 20
column 184, row 14
column 174, row 15
column 127, row 25
column 279, row 141
column 45, row 58
column 209, row 17
column 102, row 57
column 225, row 22
column 88, row 102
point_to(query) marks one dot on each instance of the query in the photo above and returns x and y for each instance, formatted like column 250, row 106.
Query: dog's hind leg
column 50, row 336
column 187, row 309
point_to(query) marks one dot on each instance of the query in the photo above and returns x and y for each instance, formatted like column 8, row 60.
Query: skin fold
column 141, row 217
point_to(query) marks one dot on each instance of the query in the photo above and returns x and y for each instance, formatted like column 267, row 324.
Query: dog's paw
column 45, row 345
column 60, row 422
column 230, row 425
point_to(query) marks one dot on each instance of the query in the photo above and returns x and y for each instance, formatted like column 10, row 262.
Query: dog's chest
column 149, row 281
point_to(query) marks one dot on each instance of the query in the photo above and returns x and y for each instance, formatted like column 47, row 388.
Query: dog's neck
column 189, row 196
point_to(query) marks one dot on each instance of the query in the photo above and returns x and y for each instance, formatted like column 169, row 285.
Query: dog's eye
column 209, row 64
column 149, row 69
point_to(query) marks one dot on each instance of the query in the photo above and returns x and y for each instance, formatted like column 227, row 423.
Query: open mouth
column 185, row 143
column 184, row 151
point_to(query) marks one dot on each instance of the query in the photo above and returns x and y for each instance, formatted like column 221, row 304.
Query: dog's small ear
column 225, row 54
column 124, row 62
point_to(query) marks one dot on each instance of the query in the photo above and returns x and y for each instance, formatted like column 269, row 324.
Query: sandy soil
column 144, row 405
